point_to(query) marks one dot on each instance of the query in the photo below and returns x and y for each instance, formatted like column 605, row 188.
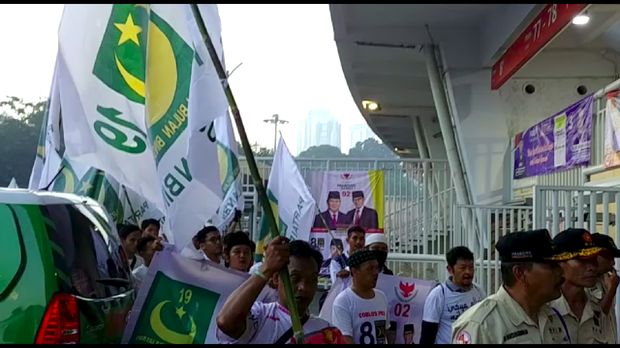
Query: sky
column 290, row 63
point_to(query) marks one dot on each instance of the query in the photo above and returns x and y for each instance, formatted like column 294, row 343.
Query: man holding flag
column 242, row 319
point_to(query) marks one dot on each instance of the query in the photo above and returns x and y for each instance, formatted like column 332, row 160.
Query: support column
column 419, row 138
column 445, row 123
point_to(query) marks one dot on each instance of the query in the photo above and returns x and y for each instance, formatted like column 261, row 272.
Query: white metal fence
column 593, row 208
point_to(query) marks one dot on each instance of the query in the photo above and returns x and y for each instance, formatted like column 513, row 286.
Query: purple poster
column 560, row 142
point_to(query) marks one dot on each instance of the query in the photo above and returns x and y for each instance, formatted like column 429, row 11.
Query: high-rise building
column 319, row 128
column 359, row 132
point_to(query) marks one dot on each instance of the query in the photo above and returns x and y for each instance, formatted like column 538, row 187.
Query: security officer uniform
column 499, row 318
column 593, row 326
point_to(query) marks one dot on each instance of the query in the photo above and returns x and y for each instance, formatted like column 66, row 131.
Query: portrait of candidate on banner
column 346, row 199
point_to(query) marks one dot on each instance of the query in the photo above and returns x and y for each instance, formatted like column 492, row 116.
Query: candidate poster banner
column 406, row 297
column 611, row 152
column 179, row 299
column 519, row 159
column 560, row 142
column 346, row 198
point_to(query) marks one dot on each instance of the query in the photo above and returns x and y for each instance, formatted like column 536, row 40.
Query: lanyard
column 563, row 324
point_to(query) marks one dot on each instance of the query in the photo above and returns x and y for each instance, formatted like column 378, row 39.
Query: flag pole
column 258, row 183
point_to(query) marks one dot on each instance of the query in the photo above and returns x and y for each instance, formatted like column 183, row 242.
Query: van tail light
column 61, row 321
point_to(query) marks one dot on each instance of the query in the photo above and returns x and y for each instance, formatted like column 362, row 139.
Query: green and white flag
column 290, row 199
column 130, row 79
column 179, row 300
column 101, row 72
column 229, row 174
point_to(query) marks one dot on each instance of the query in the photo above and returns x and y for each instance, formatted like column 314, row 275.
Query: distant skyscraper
column 360, row 132
column 319, row 128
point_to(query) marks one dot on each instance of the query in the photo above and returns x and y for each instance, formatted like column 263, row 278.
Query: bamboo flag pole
column 258, row 182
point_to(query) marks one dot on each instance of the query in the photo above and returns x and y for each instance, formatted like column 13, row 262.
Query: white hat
column 375, row 238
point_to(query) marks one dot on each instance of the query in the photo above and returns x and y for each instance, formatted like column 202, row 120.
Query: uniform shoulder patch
column 463, row 337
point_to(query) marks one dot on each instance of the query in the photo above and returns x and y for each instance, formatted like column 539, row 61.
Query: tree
column 20, row 125
column 371, row 148
column 321, row 151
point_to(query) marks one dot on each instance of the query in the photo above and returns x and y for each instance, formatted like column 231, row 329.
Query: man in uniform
column 584, row 317
column 607, row 283
column 517, row 312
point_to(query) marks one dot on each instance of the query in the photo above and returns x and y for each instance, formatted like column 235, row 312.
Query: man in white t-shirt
column 448, row 300
column 244, row 320
column 361, row 311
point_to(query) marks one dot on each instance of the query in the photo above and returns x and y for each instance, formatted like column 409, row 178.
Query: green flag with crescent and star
column 132, row 78
column 179, row 299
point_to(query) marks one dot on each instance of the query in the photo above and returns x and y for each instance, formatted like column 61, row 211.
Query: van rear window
column 86, row 258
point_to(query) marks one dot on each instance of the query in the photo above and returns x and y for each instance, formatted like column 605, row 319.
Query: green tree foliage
column 371, row 148
column 321, row 151
column 20, row 124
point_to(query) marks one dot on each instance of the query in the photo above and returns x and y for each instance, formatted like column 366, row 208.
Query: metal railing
column 593, row 208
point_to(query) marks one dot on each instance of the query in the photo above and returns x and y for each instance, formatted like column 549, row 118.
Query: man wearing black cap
column 607, row 283
column 361, row 215
column 518, row 311
column 584, row 317
column 360, row 312
column 332, row 216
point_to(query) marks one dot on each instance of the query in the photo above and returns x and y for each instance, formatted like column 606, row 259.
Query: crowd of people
column 559, row 290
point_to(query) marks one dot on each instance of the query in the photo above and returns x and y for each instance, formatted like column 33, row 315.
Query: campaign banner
column 179, row 299
column 345, row 199
column 406, row 297
column 519, row 159
column 611, row 151
column 560, row 142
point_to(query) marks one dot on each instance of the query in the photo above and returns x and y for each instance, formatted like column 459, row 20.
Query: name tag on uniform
column 515, row 334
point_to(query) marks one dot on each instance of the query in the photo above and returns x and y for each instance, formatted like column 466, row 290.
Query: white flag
column 178, row 83
column 290, row 199
column 130, row 80
column 47, row 161
column 229, row 174
column 101, row 71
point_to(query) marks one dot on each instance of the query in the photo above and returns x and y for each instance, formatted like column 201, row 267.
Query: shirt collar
column 517, row 314
column 561, row 304
column 454, row 287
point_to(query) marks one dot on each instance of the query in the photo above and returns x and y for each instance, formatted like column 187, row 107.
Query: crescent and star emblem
column 166, row 334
